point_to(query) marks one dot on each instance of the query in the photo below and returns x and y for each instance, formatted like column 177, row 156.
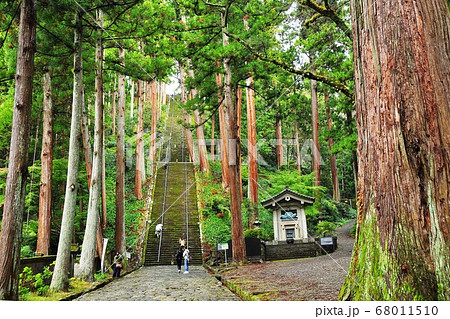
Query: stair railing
column 166, row 167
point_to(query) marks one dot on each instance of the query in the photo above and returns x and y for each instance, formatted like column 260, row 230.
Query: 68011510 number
column 407, row 310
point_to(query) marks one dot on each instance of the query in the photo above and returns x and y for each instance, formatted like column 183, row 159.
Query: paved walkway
column 159, row 283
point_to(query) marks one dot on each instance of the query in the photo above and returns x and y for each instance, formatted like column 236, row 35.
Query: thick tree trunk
column 45, row 193
column 239, row 253
column 11, row 234
column 120, row 164
column 93, row 218
column 223, row 127
column 252, row 153
column 60, row 278
column 279, row 141
column 333, row 167
column 86, row 140
column 140, row 166
column 402, row 88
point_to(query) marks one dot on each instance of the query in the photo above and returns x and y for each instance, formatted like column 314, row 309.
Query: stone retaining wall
column 289, row 251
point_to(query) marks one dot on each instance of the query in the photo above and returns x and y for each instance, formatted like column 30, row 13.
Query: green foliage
column 98, row 276
column 325, row 228
column 216, row 230
column 254, row 232
column 29, row 282
column 29, row 238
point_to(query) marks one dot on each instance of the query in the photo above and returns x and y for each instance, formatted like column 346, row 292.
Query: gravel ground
column 318, row 278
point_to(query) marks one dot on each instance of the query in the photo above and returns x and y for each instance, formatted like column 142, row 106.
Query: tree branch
column 305, row 73
column 328, row 12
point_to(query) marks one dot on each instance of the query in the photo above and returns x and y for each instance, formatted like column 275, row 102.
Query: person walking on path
column 186, row 257
column 117, row 265
column 179, row 258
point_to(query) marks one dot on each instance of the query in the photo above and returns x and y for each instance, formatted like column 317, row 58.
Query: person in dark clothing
column 179, row 258
column 117, row 265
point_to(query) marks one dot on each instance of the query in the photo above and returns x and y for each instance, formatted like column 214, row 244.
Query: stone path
column 159, row 283
column 318, row 278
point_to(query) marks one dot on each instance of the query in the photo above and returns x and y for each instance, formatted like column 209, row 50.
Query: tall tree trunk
column 297, row 148
column 202, row 153
column 279, row 138
column 11, row 234
column 239, row 253
column 132, row 99
column 120, row 163
column 213, row 128
column 92, row 220
column 140, row 165
column 238, row 122
column 113, row 109
column 223, row 127
column 86, row 140
column 60, row 278
column 315, row 133
column 186, row 118
column 45, row 193
column 104, row 216
column 88, row 160
column 334, row 173
column 152, row 158
column 252, row 153
column 402, row 86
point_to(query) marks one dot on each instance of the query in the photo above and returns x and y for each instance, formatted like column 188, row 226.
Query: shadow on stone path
column 160, row 283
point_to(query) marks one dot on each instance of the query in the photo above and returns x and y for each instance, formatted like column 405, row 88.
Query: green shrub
column 255, row 232
column 216, row 230
column 325, row 228
column 28, row 282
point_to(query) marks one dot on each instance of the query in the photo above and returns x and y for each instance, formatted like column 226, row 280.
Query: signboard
column 326, row 241
column 223, row 246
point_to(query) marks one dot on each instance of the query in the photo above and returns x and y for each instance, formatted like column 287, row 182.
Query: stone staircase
column 176, row 223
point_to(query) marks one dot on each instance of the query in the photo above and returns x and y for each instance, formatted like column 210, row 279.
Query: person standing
column 186, row 257
column 117, row 265
column 179, row 258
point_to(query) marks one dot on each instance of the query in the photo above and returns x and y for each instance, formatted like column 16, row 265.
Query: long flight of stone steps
column 179, row 195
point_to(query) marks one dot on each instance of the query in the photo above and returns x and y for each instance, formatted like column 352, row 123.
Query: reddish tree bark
column 252, row 153
column 239, row 252
column 152, row 157
column 140, row 169
column 45, row 193
column 238, row 119
column 402, row 89
column 223, row 127
column 213, row 127
column 279, row 141
column 334, row 173
column 202, row 153
column 13, row 207
column 186, row 117
column 315, row 133
column 297, row 148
